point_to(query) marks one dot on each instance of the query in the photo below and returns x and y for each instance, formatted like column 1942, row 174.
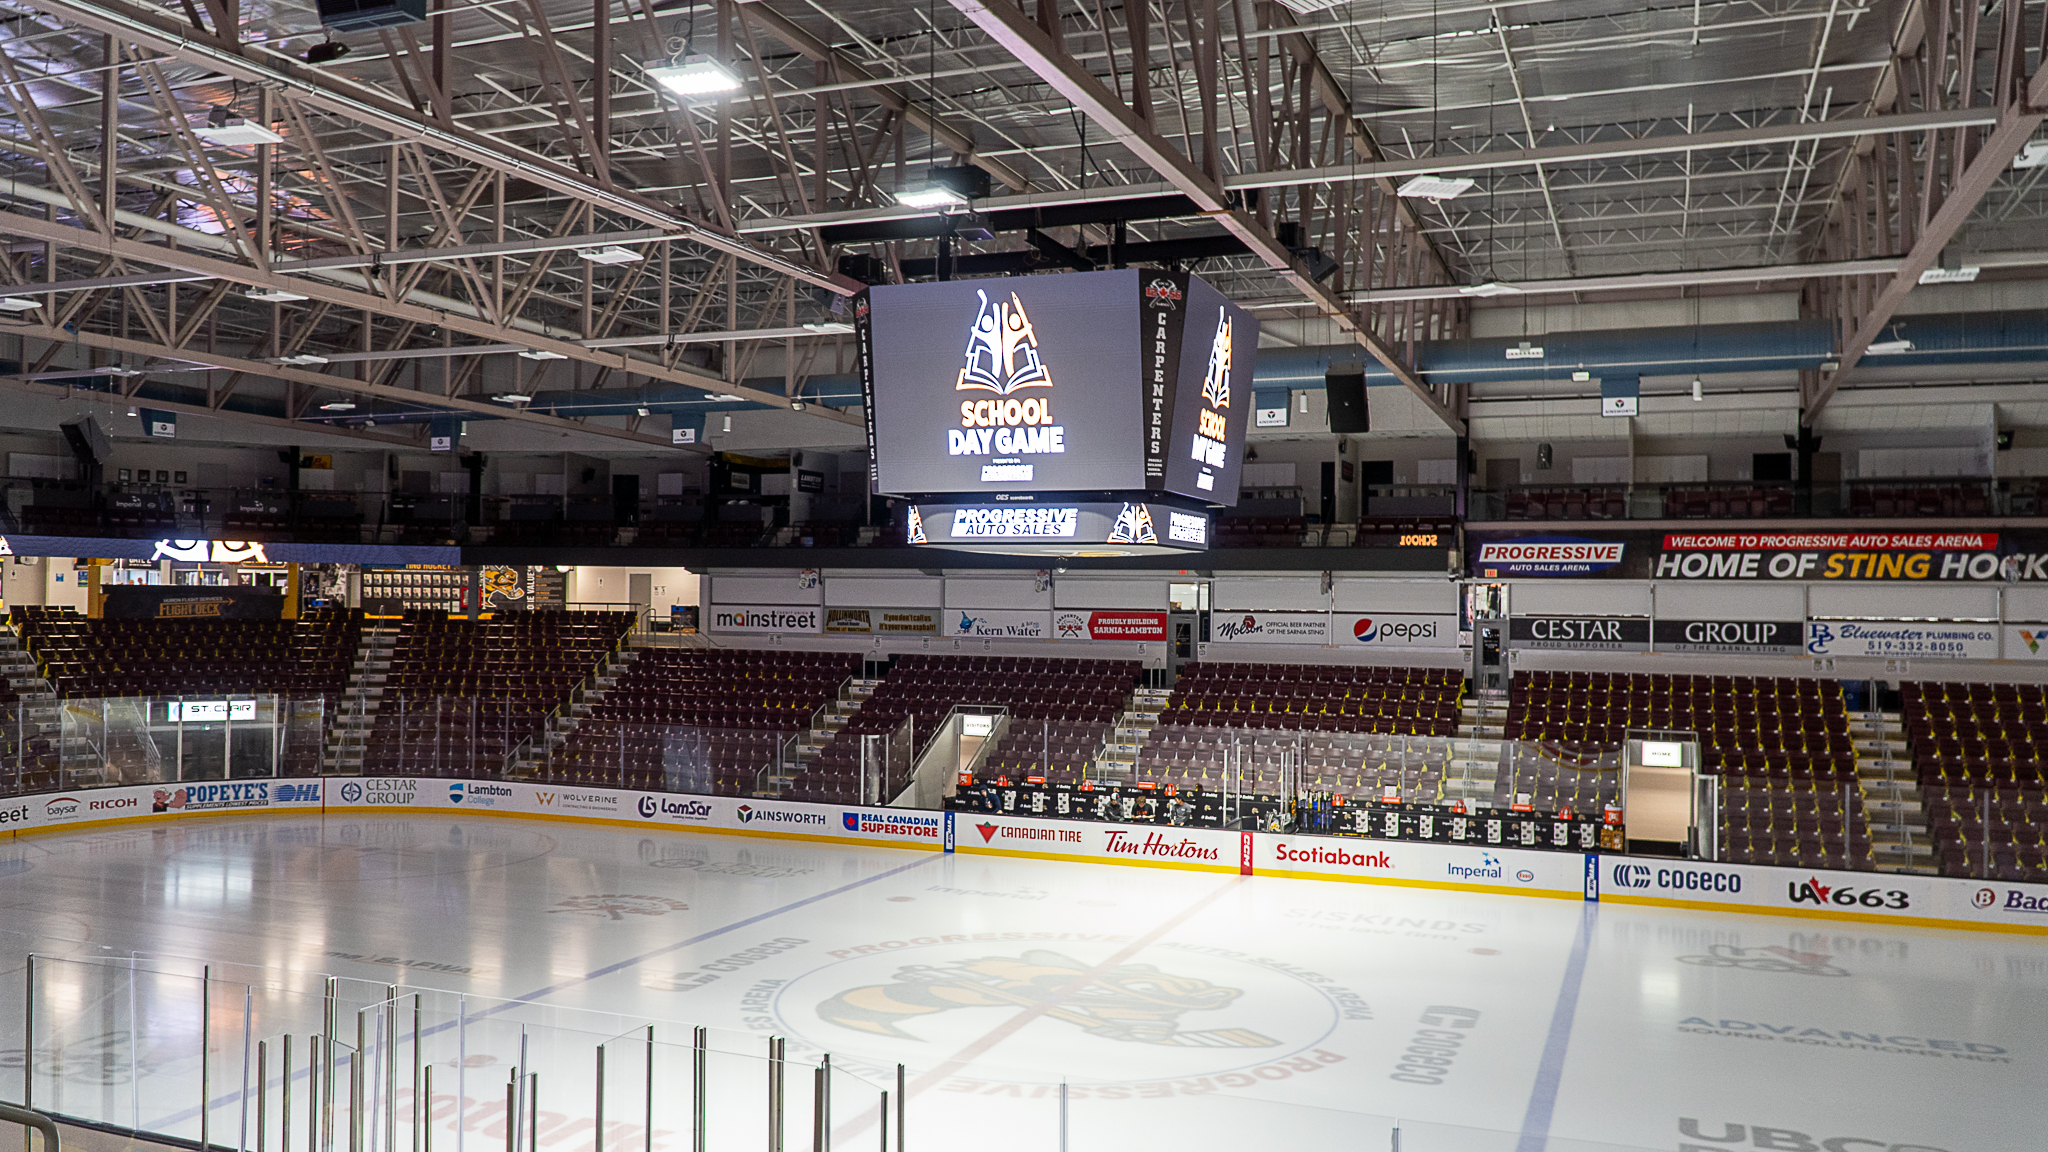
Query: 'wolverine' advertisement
column 1129, row 380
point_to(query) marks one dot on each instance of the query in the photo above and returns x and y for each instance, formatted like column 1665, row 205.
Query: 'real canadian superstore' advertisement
column 1929, row 901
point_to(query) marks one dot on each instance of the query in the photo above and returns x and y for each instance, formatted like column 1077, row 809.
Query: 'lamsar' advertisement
column 1955, row 557
column 1089, row 382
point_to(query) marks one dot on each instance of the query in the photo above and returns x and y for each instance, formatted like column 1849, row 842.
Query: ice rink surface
column 1186, row 1009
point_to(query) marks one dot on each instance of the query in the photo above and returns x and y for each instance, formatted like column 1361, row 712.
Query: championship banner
column 2004, row 556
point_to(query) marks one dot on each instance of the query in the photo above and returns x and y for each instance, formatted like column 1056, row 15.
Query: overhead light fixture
column 272, row 295
column 643, row 412
column 338, row 406
column 1949, row 275
column 325, row 53
column 946, row 187
column 610, row 254
column 513, row 398
column 728, row 422
column 796, row 405
column 829, row 328
column 1581, row 377
column 1490, row 288
column 302, row 359
column 1699, row 391
column 1436, row 187
column 1831, row 365
column 132, row 411
column 18, row 304
column 2034, row 155
column 726, row 396
column 118, row 370
column 1888, row 348
column 541, row 354
column 225, row 128
column 1525, row 351
column 369, row 423
column 695, row 75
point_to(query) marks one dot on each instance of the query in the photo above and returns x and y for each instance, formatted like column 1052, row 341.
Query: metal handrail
column 36, row 1120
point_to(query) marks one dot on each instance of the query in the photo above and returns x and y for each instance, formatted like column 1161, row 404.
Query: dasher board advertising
column 1120, row 381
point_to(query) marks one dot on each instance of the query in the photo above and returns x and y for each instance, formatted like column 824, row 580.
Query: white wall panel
column 1901, row 602
column 1395, row 597
column 1585, row 598
column 1718, row 601
column 775, row 588
column 884, row 591
column 1135, row 591
column 2026, row 605
column 1268, row 594
column 1018, row 592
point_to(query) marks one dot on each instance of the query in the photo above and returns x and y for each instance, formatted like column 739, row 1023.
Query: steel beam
column 256, row 64
column 2014, row 126
column 1032, row 47
column 918, row 116
column 185, row 261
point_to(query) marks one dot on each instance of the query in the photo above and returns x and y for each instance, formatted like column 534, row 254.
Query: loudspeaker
column 1344, row 385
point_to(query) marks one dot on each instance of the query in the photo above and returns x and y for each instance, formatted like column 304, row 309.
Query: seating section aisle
column 1073, row 696
column 462, row 694
column 737, row 704
column 1407, row 701
column 83, row 658
column 1780, row 744
column 1055, row 751
column 1981, row 752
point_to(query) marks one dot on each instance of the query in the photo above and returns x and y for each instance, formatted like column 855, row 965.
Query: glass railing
column 95, row 742
column 254, row 1059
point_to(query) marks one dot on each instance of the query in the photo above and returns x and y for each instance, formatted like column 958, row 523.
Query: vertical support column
column 601, row 82
column 205, row 1054
column 262, row 1095
column 597, row 1135
column 699, row 1058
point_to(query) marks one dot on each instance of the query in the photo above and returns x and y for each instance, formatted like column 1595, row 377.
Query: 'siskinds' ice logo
column 1216, row 379
column 1133, row 526
column 1002, row 350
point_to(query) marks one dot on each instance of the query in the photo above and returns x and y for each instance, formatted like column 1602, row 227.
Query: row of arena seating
column 1748, row 726
column 80, row 657
column 926, row 687
column 1981, row 751
column 460, row 695
column 1354, row 765
column 1817, row 826
column 1054, row 751
column 656, row 757
column 1408, row 701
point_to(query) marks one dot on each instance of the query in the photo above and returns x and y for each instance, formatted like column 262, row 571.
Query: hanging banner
column 1109, row 626
column 1580, row 633
column 163, row 425
column 1752, row 637
column 2005, row 557
column 1270, row 628
column 183, row 602
column 1892, row 638
column 998, row 624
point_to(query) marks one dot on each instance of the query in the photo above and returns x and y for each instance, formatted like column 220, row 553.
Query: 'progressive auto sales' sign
column 1956, row 557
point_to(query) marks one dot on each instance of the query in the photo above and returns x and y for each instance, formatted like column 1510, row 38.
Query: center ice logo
column 1134, row 1003
column 1775, row 958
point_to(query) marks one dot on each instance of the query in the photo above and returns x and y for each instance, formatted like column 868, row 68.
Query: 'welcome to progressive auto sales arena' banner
column 2004, row 557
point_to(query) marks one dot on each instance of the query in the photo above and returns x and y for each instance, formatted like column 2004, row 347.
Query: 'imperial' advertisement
column 1085, row 382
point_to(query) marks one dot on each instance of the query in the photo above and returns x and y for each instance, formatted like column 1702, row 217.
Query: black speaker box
column 1344, row 386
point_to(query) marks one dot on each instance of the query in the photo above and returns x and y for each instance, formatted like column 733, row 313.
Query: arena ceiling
column 418, row 223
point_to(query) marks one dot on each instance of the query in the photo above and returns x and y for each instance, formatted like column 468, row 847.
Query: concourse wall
column 1865, row 897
